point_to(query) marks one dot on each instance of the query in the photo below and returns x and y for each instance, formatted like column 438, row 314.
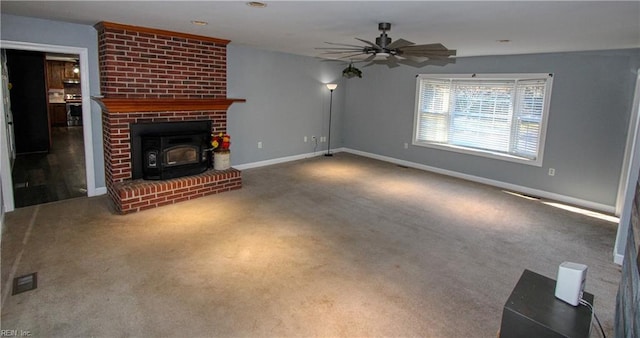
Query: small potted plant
column 221, row 153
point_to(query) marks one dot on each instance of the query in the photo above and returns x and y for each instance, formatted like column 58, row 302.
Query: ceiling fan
column 400, row 51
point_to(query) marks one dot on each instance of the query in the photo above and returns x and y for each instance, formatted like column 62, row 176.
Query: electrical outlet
column 406, row 145
column 323, row 139
column 259, row 144
column 305, row 139
column 552, row 172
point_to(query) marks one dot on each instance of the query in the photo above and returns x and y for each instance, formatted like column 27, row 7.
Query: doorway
column 83, row 131
column 49, row 163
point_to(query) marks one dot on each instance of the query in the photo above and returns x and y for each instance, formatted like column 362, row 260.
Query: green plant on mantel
column 351, row 71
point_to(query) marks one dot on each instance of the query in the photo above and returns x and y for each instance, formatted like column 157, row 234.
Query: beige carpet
column 343, row 246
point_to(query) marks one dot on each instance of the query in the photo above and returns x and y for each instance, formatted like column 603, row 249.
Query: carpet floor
column 332, row 247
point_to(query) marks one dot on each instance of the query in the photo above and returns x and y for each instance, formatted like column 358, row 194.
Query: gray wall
column 23, row 29
column 587, row 127
column 286, row 100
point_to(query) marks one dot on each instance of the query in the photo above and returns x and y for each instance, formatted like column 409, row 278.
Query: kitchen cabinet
column 60, row 71
column 55, row 74
column 68, row 71
column 58, row 114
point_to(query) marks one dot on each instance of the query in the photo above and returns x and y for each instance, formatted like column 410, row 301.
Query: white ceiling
column 298, row 27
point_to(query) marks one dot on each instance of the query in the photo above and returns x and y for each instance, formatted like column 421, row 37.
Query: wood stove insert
column 167, row 150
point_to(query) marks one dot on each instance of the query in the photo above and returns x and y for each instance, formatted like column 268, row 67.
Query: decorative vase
column 221, row 159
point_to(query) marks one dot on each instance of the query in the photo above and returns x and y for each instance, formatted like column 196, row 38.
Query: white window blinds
column 501, row 116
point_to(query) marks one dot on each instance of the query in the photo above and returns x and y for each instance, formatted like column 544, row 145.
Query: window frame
column 548, row 77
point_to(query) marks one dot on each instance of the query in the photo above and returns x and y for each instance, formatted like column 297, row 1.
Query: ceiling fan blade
column 437, row 57
column 338, row 48
column 370, row 43
column 429, row 62
column 342, row 52
column 430, row 46
column 399, row 44
column 392, row 61
column 348, row 56
column 425, row 48
column 358, row 58
column 412, row 63
column 429, row 54
column 413, row 58
column 370, row 57
column 432, row 52
column 342, row 44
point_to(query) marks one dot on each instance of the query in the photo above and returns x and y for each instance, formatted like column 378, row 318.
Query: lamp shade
column 332, row 86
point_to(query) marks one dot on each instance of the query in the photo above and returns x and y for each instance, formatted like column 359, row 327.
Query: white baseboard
column 100, row 191
column 618, row 258
column 278, row 160
column 513, row 187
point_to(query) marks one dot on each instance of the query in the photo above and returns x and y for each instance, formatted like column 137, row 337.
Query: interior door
column 28, row 94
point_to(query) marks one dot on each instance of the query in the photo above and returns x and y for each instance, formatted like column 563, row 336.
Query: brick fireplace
column 147, row 76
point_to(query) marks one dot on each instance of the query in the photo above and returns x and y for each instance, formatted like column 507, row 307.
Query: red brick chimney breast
column 151, row 75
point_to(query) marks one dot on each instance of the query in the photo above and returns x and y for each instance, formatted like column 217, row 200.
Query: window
column 495, row 115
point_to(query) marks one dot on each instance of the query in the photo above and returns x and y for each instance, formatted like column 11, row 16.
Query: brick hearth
column 139, row 195
column 150, row 75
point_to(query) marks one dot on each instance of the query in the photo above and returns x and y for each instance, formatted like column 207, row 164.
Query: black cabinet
column 533, row 310
column 28, row 94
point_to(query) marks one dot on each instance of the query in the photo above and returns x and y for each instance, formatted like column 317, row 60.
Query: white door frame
column 629, row 176
column 5, row 171
column 6, row 102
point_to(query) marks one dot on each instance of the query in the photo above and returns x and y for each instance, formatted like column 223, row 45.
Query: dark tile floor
column 58, row 175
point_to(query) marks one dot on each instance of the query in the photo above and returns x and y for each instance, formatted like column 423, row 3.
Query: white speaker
column 570, row 282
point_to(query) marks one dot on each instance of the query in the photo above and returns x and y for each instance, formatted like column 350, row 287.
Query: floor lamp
column 331, row 87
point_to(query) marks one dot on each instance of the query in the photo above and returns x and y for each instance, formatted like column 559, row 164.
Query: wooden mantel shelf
column 127, row 105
